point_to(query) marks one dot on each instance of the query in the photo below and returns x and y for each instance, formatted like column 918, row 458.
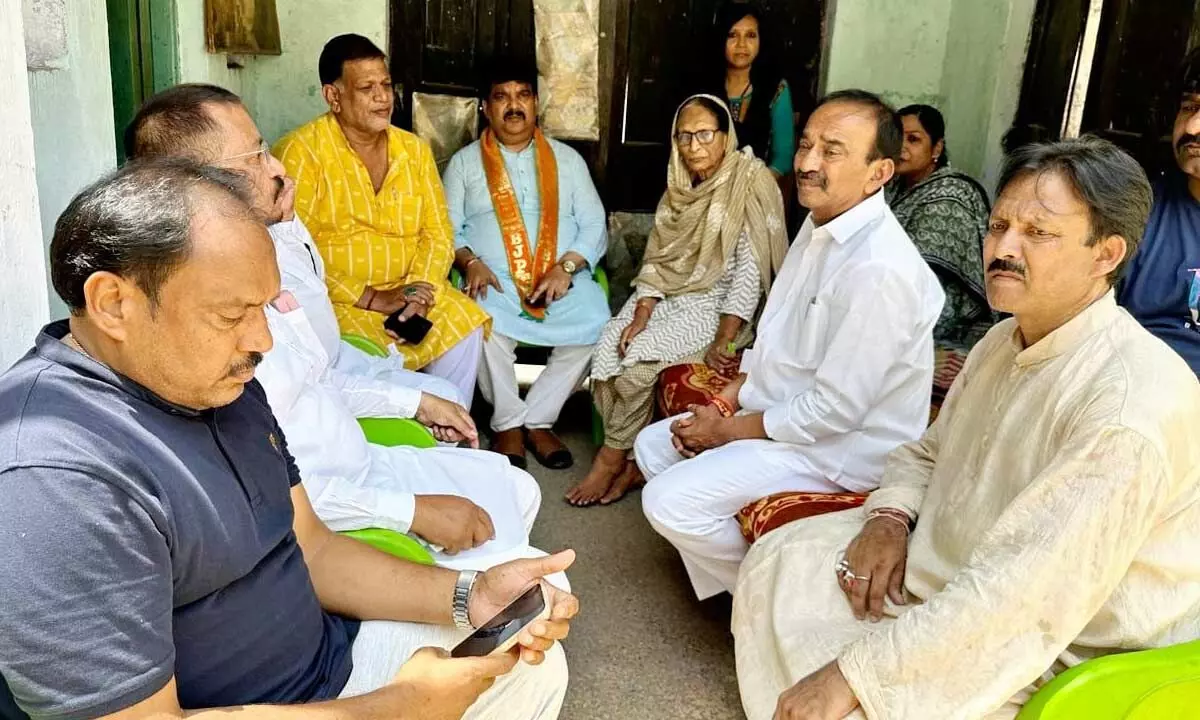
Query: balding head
column 177, row 123
column 208, row 124
column 166, row 268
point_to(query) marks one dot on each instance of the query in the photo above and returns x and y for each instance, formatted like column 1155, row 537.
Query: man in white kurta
column 318, row 385
column 351, row 483
column 839, row 376
column 1056, row 499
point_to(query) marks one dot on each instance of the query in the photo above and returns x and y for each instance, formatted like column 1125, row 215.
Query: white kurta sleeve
column 870, row 329
column 367, row 396
column 909, row 467
column 344, row 505
column 1030, row 586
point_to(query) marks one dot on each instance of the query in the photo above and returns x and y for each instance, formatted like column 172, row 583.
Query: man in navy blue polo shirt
column 1162, row 285
column 158, row 551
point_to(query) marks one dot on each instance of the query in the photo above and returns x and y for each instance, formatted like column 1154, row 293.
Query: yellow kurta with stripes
column 397, row 236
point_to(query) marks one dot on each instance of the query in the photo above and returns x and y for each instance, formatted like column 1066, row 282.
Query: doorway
column 1108, row 67
column 650, row 50
column 142, row 56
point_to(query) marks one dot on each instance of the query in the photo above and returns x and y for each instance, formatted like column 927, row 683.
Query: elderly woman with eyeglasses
column 718, row 240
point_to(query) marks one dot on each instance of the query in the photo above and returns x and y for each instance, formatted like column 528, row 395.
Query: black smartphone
column 540, row 302
column 412, row 330
column 499, row 634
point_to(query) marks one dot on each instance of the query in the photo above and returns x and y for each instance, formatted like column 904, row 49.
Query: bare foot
column 606, row 467
column 630, row 478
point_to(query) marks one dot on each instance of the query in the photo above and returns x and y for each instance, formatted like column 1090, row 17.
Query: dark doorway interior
column 1130, row 95
column 649, row 56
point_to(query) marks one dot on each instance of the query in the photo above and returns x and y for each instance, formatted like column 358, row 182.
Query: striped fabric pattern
column 397, row 236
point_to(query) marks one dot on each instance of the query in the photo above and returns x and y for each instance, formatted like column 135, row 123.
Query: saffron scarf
column 526, row 266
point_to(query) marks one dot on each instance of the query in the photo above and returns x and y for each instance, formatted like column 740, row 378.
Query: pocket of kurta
column 404, row 214
column 812, row 333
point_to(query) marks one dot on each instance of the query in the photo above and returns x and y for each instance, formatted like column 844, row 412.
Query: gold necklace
column 74, row 344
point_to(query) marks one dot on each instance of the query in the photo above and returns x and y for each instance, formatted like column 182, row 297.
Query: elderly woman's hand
column 719, row 358
column 632, row 330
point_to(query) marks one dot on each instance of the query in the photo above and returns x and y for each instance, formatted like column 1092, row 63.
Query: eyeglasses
column 704, row 137
column 262, row 152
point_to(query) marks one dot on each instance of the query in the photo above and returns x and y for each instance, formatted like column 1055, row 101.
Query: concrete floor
column 642, row 647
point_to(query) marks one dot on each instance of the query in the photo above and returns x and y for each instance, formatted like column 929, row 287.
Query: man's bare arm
column 384, row 703
column 356, row 580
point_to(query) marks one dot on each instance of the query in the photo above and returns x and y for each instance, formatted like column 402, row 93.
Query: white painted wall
column 281, row 91
column 964, row 57
column 72, row 118
column 23, row 306
column 195, row 64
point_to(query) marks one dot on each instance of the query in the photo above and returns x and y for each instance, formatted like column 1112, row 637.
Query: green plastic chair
column 365, row 344
column 601, row 278
column 393, row 543
column 389, row 432
column 1159, row 684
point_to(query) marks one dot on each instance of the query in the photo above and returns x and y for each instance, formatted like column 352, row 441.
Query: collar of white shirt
column 844, row 226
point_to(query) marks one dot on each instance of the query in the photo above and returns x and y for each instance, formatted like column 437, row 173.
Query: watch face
column 569, row 266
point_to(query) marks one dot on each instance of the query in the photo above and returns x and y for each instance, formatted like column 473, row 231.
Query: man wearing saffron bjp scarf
column 370, row 195
column 529, row 228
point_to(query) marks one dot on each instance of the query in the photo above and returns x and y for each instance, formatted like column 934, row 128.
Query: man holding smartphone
column 161, row 557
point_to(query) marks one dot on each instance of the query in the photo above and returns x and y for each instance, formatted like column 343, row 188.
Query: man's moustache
column 1005, row 265
column 514, row 114
column 252, row 361
column 1185, row 141
column 814, row 176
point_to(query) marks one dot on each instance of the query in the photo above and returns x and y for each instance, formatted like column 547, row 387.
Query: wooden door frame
column 143, row 56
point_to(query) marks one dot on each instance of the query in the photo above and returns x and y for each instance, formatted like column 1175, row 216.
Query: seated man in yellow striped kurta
column 371, row 196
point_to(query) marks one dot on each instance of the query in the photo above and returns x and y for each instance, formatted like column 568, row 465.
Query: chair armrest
column 364, row 344
column 1159, row 683
column 393, row 543
column 390, row 432
column 601, row 278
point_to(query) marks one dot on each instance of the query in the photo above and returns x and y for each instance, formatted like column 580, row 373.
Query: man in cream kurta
column 1055, row 499
column 839, row 376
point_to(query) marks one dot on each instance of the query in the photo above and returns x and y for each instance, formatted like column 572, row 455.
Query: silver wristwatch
column 462, row 595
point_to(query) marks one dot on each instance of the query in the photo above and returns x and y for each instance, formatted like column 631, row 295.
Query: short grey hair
column 137, row 223
column 1106, row 178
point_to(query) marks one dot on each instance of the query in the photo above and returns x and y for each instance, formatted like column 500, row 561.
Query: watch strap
column 462, row 595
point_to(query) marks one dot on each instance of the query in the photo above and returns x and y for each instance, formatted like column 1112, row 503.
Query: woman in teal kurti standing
column 758, row 97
